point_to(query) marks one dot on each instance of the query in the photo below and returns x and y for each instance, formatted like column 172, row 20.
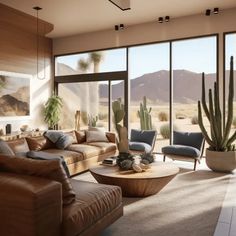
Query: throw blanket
column 40, row 155
column 61, row 140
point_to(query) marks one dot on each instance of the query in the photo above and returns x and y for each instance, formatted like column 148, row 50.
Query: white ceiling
column 71, row 17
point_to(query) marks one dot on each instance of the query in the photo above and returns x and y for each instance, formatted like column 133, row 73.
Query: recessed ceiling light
column 167, row 19
column 208, row 12
column 216, row 10
column 160, row 19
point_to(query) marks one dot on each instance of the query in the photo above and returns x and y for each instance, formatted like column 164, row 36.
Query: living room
column 151, row 53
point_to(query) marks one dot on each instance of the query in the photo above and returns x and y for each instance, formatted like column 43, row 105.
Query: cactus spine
column 145, row 115
column 119, row 114
column 219, row 138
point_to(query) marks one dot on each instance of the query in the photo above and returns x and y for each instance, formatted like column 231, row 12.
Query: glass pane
column 90, row 98
column 149, row 76
column 92, row 62
column 191, row 58
column 230, row 50
column 117, row 91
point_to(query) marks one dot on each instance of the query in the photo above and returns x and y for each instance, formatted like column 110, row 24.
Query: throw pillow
column 51, row 169
column 96, row 136
column 64, row 141
column 72, row 134
column 5, row 149
column 18, row 145
column 39, row 143
column 81, row 136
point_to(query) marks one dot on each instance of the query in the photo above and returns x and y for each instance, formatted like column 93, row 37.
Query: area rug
column 188, row 206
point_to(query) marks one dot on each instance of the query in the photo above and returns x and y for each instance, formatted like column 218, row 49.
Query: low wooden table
column 137, row 184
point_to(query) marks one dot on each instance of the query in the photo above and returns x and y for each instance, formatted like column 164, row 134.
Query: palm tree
column 95, row 58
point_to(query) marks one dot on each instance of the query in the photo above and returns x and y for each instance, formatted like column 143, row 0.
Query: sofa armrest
column 29, row 205
column 111, row 137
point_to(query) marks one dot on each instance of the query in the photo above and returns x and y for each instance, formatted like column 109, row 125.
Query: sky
column 196, row 55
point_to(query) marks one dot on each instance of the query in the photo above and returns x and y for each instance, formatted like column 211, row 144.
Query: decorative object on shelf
column 52, row 110
column 77, row 120
column 37, row 8
column 119, row 114
column 14, row 94
column 24, row 128
column 145, row 115
column 92, row 121
column 1, row 132
column 220, row 156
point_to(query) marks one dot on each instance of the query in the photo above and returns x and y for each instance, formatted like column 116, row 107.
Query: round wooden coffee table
column 136, row 184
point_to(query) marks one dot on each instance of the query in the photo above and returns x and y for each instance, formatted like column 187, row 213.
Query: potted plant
column 221, row 155
column 52, row 111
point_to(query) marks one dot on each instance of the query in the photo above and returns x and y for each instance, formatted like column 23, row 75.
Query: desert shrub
column 165, row 130
column 194, row 120
column 162, row 116
column 234, row 122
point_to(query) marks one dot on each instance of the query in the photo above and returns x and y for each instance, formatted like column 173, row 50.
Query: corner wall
column 18, row 53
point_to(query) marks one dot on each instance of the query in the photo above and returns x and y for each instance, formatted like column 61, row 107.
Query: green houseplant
column 52, row 111
column 220, row 156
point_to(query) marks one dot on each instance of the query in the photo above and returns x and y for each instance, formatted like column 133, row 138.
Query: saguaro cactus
column 119, row 114
column 145, row 115
column 219, row 138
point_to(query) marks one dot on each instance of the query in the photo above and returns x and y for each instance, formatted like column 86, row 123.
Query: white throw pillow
column 96, row 136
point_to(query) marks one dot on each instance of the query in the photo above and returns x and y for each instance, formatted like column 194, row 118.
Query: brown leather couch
column 79, row 156
column 38, row 199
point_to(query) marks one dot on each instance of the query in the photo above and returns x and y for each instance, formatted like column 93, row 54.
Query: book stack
column 111, row 161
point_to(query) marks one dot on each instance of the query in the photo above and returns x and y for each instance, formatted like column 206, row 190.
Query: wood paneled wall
column 18, row 41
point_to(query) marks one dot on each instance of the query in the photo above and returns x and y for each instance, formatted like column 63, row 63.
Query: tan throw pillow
column 96, row 136
column 51, row 169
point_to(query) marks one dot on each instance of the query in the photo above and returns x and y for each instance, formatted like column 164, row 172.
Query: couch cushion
column 92, row 202
column 5, row 148
column 140, row 146
column 88, row 151
column 81, row 136
column 18, row 145
column 181, row 150
column 145, row 136
column 39, row 143
column 47, row 169
column 70, row 157
column 188, row 139
column 96, row 136
column 105, row 147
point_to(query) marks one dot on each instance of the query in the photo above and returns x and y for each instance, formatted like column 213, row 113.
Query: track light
column 167, row 19
column 160, row 19
column 208, row 12
column 119, row 27
column 216, row 10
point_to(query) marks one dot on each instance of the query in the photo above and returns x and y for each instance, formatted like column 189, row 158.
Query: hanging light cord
column 38, row 59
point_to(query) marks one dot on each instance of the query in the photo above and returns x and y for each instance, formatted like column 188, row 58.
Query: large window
column 149, row 76
column 190, row 58
column 89, row 82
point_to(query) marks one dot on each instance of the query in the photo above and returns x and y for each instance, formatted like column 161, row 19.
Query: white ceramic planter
column 221, row 161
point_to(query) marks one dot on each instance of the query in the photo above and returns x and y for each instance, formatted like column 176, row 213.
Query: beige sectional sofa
column 79, row 156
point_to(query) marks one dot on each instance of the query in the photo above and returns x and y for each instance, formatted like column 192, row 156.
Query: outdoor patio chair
column 142, row 141
column 186, row 146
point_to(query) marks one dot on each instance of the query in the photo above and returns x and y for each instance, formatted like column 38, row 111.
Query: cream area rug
column 188, row 206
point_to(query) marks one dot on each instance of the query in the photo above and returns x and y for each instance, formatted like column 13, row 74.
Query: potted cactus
column 221, row 155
